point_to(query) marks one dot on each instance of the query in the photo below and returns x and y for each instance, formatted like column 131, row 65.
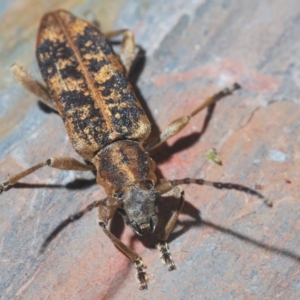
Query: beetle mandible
column 87, row 85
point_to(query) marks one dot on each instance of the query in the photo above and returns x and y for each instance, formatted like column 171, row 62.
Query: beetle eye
column 120, row 196
column 149, row 186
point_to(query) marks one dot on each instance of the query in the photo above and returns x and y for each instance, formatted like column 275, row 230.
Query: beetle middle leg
column 106, row 212
column 62, row 163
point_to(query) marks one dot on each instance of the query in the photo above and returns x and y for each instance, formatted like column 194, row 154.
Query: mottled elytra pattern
column 88, row 84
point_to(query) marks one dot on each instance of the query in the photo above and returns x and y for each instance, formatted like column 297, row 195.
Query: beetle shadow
column 46, row 109
column 183, row 226
column 117, row 225
column 77, row 184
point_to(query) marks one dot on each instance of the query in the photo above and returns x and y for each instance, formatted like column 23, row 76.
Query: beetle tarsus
column 141, row 274
column 166, row 255
column 4, row 186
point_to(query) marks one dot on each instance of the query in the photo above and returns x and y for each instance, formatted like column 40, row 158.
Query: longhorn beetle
column 87, row 85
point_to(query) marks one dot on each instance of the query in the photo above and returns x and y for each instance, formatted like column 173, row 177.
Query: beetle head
column 139, row 207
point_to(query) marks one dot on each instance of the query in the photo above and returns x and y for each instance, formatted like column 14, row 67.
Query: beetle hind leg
column 177, row 125
column 32, row 85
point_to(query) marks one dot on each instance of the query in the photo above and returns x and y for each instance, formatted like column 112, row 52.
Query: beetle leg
column 91, row 17
column 163, row 236
column 177, row 125
column 106, row 213
column 32, row 85
column 127, row 53
column 166, row 189
column 62, row 163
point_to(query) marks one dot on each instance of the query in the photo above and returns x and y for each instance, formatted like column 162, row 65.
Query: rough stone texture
column 227, row 245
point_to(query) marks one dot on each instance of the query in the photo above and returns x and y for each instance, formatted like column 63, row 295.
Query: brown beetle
column 87, row 84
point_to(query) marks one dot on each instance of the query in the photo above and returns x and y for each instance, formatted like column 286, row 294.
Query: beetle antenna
column 223, row 185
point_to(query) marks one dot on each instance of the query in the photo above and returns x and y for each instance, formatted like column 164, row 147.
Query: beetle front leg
column 62, row 163
column 163, row 236
column 106, row 212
